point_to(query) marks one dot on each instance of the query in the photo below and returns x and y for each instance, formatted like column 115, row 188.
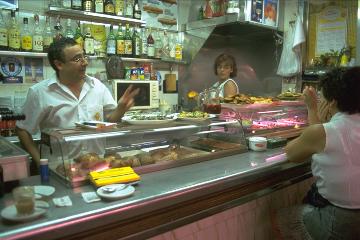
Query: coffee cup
column 24, row 200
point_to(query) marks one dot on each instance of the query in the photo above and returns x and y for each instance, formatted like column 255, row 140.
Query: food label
column 26, row 42
column 178, row 52
column 3, row 37
column 110, row 48
column 38, row 43
column 128, row 47
column 120, row 47
column 89, row 46
column 14, row 39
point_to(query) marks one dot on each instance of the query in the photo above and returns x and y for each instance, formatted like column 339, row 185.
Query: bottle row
column 96, row 39
column 125, row 8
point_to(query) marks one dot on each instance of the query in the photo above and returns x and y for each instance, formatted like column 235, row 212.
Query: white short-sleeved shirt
column 337, row 168
column 220, row 87
column 50, row 104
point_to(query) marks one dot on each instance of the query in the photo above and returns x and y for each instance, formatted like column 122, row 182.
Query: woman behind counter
column 225, row 69
column 332, row 209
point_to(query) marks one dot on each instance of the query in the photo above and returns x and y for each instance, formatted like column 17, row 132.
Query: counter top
column 156, row 192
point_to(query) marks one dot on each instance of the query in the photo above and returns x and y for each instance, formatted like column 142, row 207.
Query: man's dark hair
column 227, row 59
column 56, row 51
column 343, row 86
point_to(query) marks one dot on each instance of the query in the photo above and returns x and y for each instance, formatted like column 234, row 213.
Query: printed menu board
column 160, row 14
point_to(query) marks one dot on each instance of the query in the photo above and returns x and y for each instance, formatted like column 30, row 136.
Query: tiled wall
column 249, row 221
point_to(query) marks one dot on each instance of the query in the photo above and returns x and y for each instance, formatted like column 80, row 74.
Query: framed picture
column 9, row 4
column 271, row 12
column 257, row 11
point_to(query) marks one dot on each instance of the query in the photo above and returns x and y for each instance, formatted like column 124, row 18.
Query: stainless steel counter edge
column 156, row 190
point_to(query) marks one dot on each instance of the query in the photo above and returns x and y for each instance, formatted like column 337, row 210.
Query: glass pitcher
column 209, row 101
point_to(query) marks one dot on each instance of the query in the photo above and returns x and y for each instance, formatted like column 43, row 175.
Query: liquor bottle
column 129, row 8
column 79, row 38
column 178, row 49
column 48, row 34
column 99, row 6
column 109, row 7
column 136, row 43
column 136, row 10
column 14, row 34
column 119, row 7
column 165, row 45
column 144, row 49
column 38, row 38
column 58, row 30
column 120, row 42
column 89, row 42
column 66, row 3
column 172, row 43
column 3, row 33
column 111, row 42
column 88, row 5
column 128, row 41
column 150, row 46
column 68, row 31
column 157, row 45
column 26, row 37
column 76, row 4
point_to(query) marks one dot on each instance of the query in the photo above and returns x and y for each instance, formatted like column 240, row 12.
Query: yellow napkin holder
column 114, row 175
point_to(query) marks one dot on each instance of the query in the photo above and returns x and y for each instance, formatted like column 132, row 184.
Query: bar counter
column 163, row 200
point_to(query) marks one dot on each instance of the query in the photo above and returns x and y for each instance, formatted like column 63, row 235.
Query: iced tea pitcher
column 209, row 101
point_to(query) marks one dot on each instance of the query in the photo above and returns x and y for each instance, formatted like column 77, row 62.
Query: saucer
column 11, row 214
column 117, row 194
column 43, row 191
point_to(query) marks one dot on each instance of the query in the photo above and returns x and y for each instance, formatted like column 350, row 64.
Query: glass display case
column 263, row 118
column 144, row 145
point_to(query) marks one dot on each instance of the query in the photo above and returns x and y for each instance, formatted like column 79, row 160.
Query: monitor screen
column 142, row 98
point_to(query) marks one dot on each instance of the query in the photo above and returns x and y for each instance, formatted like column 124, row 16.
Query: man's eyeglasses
column 79, row 58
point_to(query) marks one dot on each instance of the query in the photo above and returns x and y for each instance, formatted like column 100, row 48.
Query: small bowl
column 257, row 143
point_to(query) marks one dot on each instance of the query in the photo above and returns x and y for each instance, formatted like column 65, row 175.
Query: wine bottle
column 76, row 4
column 120, row 42
column 136, row 10
column 38, row 39
column 14, row 34
column 136, row 42
column 111, row 42
column 26, row 37
column 88, row 5
column 99, row 6
column 128, row 41
column 79, row 38
column 109, row 7
column 48, row 34
column 150, row 46
column 3, row 33
column 89, row 42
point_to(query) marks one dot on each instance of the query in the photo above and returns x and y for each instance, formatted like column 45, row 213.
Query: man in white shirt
column 68, row 97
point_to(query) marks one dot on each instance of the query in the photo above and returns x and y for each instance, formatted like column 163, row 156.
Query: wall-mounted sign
column 331, row 31
column 11, row 68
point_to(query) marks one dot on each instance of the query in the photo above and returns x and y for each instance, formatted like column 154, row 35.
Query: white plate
column 144, row 122
column 88, row 124
column 128, row 191
column 41, row 191
column 10, row 212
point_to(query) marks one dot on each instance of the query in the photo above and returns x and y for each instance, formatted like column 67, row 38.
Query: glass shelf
column 92, row 17
column 27, row 54
column 125, row 59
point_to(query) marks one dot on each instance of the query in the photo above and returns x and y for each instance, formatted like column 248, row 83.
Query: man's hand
column 127, row 99
column 125, row 103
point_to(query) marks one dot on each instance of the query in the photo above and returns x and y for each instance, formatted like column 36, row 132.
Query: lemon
column 192, row 94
